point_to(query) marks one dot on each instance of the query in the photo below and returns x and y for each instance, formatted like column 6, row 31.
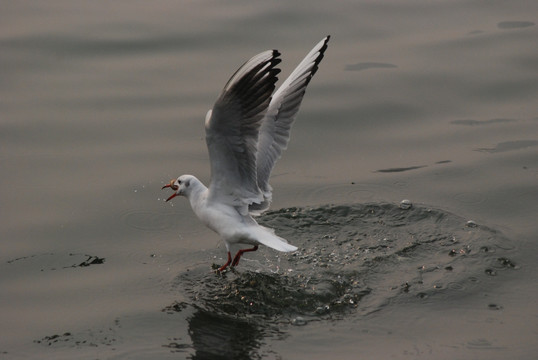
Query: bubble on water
column 298, row 321
column 471, row 224
column 320, row 310
column 503, row 262
column 490, row 272
column 405, row 204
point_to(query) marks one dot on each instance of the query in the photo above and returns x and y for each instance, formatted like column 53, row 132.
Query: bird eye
column 179, row 182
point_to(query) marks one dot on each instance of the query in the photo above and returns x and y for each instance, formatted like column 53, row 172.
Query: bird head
column 179, row 185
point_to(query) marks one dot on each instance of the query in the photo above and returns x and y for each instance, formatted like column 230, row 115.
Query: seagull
column 246, row 132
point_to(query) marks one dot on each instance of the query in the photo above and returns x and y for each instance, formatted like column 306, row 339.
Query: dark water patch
column 352, row 260
column 92, row 260
column 506, row 25
column 369, row 65
column 217, row 337
column 88, row 338
column 49, row 340
column 509, row 146
column 443, row 162
column 506, row 90
column 400, row 169
column 495, row 307
column 52, row 261
column 471, row 122
column 482, row 344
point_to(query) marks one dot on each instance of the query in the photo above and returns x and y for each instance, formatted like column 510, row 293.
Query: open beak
column 173, row 187
column 172, row 196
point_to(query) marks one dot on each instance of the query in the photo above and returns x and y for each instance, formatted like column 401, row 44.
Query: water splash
column 352, row 259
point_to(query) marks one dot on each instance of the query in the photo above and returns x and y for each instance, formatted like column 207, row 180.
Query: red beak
column 173, row 187
column 172, row 196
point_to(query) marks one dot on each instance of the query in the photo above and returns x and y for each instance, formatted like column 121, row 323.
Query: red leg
column 227, row 263
column 240, row 252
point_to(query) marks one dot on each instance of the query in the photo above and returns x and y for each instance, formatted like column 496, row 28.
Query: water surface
column 435, row 102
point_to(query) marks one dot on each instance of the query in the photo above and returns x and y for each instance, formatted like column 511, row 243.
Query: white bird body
column 246, row 132
column 227, row 220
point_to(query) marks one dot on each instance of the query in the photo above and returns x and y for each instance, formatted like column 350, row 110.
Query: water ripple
column 351, row 259
column 514, row 24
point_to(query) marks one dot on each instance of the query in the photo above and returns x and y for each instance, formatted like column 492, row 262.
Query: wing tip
column 321, row 55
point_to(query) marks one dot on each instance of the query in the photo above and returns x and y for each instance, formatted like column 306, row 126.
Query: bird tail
column 268, row 238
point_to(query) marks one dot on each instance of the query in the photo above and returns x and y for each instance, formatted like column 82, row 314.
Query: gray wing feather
column 232, row 130
column 274, row 133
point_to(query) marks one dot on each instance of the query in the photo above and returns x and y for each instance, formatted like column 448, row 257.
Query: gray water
column 102, row 103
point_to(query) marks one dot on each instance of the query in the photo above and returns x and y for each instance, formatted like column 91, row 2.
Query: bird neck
column 197, row 193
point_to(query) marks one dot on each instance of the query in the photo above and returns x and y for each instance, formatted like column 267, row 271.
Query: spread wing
column 275, row 128
column 232, row 129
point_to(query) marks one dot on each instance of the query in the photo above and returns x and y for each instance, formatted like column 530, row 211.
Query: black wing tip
column 275, row 60
column 253, row 89
column 322, row 51
column 317, row 61
column 267, row 66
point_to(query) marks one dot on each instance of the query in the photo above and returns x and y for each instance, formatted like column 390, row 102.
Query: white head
column 181, row 186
